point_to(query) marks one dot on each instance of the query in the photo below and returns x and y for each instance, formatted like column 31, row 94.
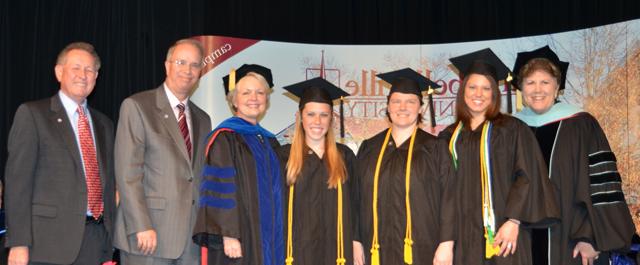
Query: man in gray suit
column 159, row 155
column 60, row 187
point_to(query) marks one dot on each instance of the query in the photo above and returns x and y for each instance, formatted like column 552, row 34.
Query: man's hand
column 18, row 256
column 147, row 241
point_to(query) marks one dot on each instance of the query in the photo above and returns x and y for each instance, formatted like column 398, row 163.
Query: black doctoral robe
column 588, row 185
column 431, row 197
column 231, row 207
column 315, row 210
column 520, row 189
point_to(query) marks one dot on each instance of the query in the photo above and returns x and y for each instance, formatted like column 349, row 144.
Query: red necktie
column 91, row 170
column 184, row 129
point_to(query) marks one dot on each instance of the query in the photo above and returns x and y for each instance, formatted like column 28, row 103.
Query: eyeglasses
column 191, row 65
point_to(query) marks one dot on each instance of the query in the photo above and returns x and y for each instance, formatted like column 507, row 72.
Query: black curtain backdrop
column 132, row 36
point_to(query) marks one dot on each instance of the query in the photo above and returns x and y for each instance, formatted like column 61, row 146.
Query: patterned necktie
column 91, row 171
column 184, row 129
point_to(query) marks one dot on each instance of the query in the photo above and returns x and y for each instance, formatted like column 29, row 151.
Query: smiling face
column 316, row 122
column 403, row 109
column 77, row 74
column 539, row 91
column 250, row 100
column 183, row 69
column 478, row 95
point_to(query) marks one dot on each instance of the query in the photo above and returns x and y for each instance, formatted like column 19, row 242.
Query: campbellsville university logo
column 368, row 94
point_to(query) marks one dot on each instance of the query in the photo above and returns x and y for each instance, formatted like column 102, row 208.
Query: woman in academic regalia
column 240, row 219
column 595, row 216
column 500, row 174
column 404, row 176
column 317, row 172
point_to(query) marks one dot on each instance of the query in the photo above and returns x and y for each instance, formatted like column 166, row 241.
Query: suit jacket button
column 190, row 179
column 193, row 202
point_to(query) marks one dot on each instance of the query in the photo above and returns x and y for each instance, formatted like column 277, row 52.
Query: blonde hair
column 333, row 162
column 231, row 96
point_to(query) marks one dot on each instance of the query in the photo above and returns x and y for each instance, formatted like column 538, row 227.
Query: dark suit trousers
column 94, row 249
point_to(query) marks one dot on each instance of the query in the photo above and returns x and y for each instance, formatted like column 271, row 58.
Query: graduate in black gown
column 240, row 219
column 317, row 172
column 595, row 216
column 500, row 181
column 406, row 203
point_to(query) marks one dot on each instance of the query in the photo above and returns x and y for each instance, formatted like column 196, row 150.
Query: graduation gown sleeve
column 604, row 219
column 446, row 176
column 531, row 198
column 218, row 214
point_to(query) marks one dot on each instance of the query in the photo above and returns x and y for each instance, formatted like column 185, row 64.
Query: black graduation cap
column 544, row 52
column 239, row 73
column 484, row 62
column 409, row 81
column 319, row 90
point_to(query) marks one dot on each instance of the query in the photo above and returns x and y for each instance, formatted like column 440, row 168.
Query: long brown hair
column 334, row 162
column 462, row 110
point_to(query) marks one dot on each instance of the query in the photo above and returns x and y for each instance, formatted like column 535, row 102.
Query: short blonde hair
column 231, row 96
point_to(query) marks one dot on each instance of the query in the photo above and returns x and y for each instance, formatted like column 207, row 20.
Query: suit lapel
column 196, row 124
column 62, row 125
column 99, row 130
column 168, row 119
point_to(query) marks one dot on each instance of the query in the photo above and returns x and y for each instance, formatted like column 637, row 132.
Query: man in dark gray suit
column 159, row 155
column 60, row 190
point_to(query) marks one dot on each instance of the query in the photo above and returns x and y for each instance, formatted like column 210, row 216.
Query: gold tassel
column 490, row 249
column 408, row 251
column 375, row 255
column 509, row 77
column 430, row 90
column 232, row 80
column 519, row 105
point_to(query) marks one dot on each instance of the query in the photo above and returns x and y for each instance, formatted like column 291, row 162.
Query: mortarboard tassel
column 519, row 105
column 432, row 109
column 508, row 83
column 341, row 117
column 232, row 79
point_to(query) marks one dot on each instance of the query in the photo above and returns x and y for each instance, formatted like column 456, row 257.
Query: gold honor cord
column 487, row 203
column 340, row 259
column 488, row 218
column 452, row 144
column 289, row 259
column 408, row 241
